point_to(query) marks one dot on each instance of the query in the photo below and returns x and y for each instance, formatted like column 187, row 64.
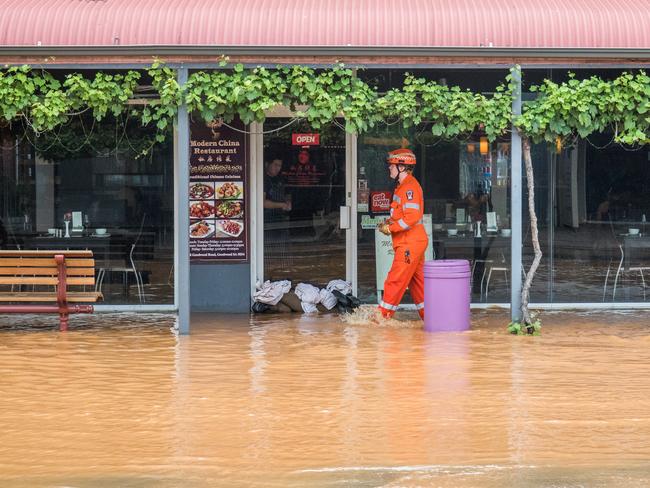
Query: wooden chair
column 128, row 269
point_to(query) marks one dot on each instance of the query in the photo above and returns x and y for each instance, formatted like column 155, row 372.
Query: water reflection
column 315, row 401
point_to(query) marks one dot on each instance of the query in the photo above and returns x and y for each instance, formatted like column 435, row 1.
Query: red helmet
column 401, row 156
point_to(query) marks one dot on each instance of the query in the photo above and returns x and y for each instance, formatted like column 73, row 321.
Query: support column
column 351, row 201
column 516, row 195
column 182, row 216
column 256, row 207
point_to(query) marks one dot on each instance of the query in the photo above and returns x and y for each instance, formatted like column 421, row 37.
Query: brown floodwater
column 121, row 400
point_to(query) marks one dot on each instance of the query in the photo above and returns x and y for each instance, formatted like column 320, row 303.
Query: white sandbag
column 328, row 299
column 309, row 296
column 343, row 286
column 272, row 291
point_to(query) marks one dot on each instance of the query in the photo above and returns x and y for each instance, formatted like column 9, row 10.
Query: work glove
column 384, row 228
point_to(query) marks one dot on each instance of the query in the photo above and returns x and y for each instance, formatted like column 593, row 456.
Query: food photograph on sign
column 201, row 190
column 229, row 209
column 229, row 228
column 202, row 229
column 229, row 190
column 202, row 209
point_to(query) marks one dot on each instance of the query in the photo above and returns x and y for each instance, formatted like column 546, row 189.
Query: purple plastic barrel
column 446, row 295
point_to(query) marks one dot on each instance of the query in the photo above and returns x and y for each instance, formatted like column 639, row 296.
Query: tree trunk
column 530, row 181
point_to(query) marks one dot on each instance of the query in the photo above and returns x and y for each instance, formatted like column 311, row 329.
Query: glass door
column 303, row 195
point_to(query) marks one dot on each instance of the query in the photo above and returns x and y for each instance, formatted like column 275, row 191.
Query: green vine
column 584, row 107
column 318, row 96
column 451, row 111
column 44, row 102
column 571, row 108
column 162, row 111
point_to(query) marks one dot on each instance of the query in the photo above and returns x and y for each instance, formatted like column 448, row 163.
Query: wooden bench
column 53, row 271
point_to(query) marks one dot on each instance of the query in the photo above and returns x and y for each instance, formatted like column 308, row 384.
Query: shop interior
column 105, row 187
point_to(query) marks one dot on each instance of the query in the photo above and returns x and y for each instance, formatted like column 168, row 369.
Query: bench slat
column 35, row 280
column 20, row 271
column 47, row 252
column 73, row 297
column 46, row 262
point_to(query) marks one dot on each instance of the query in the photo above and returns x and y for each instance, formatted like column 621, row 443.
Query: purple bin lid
column 447, row 268
column 447, row 263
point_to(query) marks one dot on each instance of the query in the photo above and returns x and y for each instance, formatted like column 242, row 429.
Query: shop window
column 466, row 189
column 113, row 193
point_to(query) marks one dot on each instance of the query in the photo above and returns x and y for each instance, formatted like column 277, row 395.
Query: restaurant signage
column 218, row 205
column 305, row 139
column 304, row 172
column 380, row 201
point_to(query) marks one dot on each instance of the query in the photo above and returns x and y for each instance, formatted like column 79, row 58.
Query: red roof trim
column 334, row 23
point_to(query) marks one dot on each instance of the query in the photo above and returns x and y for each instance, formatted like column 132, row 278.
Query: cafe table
column 635, row 259
column 636, row 250
column 478, row 250
column 101, row 246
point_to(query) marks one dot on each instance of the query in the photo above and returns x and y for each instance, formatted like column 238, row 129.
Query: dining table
column 636, row 251
column 489, row 247
column 101, row 246
column 108, row 249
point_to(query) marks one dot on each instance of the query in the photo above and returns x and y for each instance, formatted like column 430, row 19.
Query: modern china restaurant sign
column 218, row 204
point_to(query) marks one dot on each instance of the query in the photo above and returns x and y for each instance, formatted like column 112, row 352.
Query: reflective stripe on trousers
column 387, row 306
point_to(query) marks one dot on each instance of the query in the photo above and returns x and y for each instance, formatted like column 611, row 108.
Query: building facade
column 288, row 201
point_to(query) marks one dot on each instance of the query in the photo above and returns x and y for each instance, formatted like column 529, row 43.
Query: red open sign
column 305, row 139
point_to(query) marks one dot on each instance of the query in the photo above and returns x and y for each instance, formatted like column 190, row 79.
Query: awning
column 569, row 24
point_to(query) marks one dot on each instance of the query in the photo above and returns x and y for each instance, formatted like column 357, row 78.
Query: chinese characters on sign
column 218, row 205
column 304, row 172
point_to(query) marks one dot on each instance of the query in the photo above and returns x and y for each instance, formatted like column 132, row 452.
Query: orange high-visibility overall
column 409, row 243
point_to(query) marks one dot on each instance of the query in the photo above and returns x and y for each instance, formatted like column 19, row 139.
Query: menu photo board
column 218, row 192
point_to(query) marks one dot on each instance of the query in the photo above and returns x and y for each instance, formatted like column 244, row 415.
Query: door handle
column 344, row 217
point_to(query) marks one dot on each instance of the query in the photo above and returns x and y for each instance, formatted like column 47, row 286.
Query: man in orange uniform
column 408, row 234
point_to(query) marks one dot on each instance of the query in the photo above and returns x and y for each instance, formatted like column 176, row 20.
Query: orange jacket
column 406, row 212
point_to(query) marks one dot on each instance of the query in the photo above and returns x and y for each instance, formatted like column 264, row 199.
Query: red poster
column 304, row 172
column 305, row 139
column 380, row 201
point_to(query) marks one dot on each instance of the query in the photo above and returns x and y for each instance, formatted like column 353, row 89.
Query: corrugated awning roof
column 340, row 23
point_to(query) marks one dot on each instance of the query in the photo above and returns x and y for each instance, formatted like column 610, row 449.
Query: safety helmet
column 401, row 156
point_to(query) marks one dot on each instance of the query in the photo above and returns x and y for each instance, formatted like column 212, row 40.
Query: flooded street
column 120, row 400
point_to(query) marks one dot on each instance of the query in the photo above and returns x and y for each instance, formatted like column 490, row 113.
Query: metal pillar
column 182, row 216
column 351, row 234
column 256, row 209
column 515, row 206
